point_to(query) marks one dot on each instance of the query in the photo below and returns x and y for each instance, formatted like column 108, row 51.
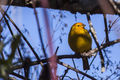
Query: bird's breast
column 80, row 43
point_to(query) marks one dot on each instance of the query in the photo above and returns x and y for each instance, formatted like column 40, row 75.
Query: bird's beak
column 83, row 25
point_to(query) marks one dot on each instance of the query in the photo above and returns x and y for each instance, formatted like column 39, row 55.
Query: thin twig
column 108, row 78
column 6, row 9
column 96, row 41
column 13, row 36
column 90, row 65
column 17, row 75
column 39, row 30
column 106, row 28
column 76, row 70
column 52, row 35
column 68, row 77
column 56, row 50
column 2, row 11
column 108, row 60
column 66, row 71
column 111, row 25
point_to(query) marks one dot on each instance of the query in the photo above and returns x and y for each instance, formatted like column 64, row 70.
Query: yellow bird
column 80, row 41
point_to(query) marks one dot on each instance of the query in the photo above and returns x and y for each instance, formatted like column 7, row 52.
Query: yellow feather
column 79, row 38
column 80, row 41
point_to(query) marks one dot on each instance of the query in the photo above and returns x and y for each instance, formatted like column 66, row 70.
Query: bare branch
column 13, row 37
column 66, row 71
column 39, row 29
column 76, row 70
column 96, row 41
column 2, row 11
column 17, row 75
column 6, row 9
column 90, row 53
column 106, row 28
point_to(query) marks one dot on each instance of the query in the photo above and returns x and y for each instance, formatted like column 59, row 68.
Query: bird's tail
column 85, row 63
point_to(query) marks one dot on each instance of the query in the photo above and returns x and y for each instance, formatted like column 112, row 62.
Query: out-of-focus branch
column 52, row 60
column 76, row 70
column 2, row 12
column 114, row 6
column 39, row 29
column 90, row 53
column 45, row 73
column 13, row 36
column 1, row 43
column 52, row 64
column 6, row 9
column 82, row 6
column 106, row 6
column 96, row 41
column 25, row 69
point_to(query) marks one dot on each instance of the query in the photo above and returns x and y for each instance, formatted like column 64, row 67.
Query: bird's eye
column 78, row 25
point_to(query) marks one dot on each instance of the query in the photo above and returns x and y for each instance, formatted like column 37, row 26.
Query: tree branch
column 114, row 6
column 36, row 55
column 90, row 53
column 17, row 75
column 96, row 42
column 66, row 71
column 106, row 28
column 76, row 70
column 82, row 6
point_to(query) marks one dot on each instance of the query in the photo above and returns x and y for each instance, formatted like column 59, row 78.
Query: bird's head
column 78, row 26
